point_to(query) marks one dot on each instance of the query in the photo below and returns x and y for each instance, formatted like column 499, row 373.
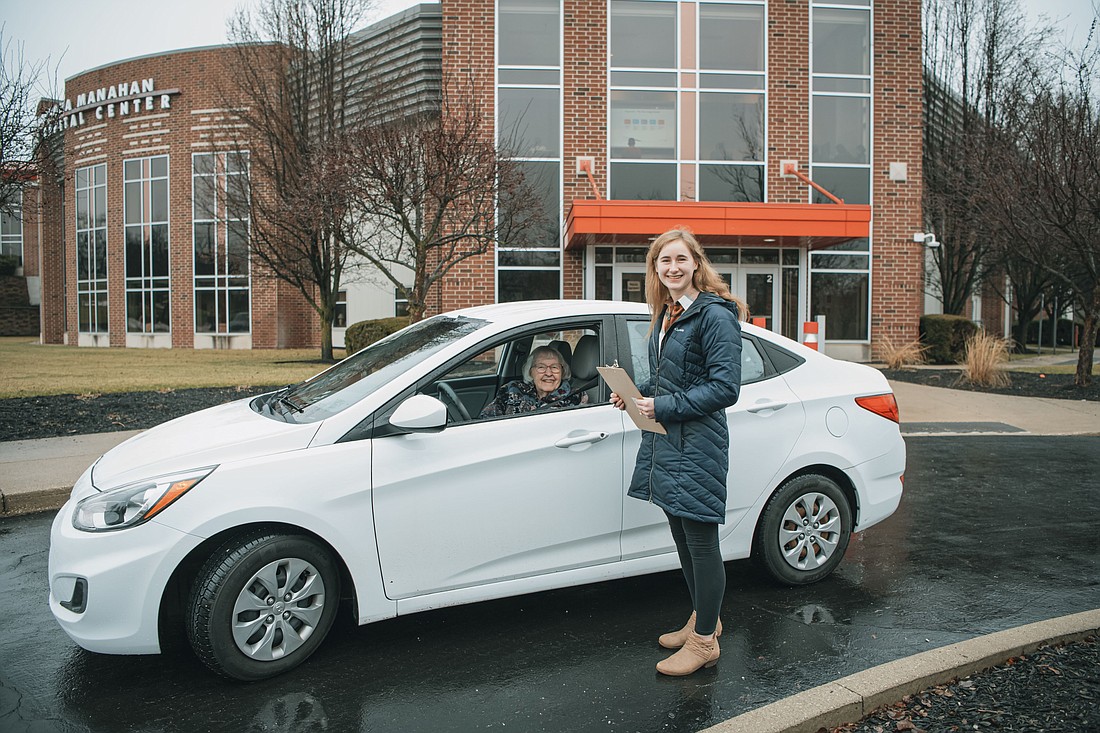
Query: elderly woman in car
column 545, row 386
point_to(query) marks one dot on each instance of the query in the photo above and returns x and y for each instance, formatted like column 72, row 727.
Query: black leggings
column 701, row 560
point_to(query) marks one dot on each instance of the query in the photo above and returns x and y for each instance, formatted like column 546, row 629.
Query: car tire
column 262, row 604
column 804, row 530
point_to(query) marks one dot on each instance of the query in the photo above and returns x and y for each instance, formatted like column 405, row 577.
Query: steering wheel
column 452, row 400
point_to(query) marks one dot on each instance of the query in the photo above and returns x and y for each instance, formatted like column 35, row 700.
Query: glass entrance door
column 630, row 284
column 759, row 286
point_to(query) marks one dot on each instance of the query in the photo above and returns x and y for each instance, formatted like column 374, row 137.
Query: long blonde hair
column 705, row 279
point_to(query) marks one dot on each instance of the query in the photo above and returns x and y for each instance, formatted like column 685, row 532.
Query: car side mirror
column 420, row 414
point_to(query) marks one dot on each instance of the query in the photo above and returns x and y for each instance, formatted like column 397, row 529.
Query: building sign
column 119, row 100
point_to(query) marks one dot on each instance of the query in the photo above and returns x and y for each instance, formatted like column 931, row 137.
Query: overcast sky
column 78, row 35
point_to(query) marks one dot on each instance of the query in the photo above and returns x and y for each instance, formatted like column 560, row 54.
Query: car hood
column 218, row 435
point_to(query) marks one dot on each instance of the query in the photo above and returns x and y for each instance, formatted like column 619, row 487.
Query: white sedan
column 376, row 483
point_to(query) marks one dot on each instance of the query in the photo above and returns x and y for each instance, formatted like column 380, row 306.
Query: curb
column 29, row 502
column 852, row 698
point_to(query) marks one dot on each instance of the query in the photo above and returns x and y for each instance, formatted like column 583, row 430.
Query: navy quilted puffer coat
column 694, row 377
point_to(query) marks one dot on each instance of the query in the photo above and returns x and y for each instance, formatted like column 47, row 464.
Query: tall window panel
column 732, row 102
column 220, row 206
column 841, row 109
column 644, row 100
column 529, row 129
column 11, row 230
column 91, row 248
column 841, row 114
column 145, row 214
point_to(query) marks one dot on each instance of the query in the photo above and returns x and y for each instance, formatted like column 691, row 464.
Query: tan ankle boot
column 676, row 639
column 698, row 652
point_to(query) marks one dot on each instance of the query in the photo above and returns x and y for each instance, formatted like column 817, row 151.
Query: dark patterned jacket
column 520, row 396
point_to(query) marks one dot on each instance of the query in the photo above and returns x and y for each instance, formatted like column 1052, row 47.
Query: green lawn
column 31, row 369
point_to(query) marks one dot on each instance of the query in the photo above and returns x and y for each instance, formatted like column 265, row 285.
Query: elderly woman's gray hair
column 544, row 351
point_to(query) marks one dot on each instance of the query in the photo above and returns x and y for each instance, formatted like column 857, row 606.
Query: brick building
column 634, row 115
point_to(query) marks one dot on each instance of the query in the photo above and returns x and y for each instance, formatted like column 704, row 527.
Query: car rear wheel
column 262, row 604
column 804, row 530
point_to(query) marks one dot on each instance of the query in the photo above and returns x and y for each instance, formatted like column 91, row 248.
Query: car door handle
column 582, row 438
column 762, row 406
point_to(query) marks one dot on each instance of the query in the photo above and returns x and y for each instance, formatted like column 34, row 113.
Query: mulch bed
column 1053, row 689
column 1023, row 384
column 55, row 416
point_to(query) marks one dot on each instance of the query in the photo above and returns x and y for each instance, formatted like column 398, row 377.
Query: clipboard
column 621, row 384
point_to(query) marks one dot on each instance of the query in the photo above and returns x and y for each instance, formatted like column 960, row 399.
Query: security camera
column 927, row 239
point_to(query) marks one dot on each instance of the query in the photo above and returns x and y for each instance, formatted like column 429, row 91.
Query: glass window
column 529, row 122
column 829, row 261
column 643, row 181
column 643, row 124
column 11, row 230
column 529, row 76
column 731, row 37
column 638, row 332
column 841, row 43
column 752, row 364
column 842, row 299
column 400, row 303
column 852, row 185
column 220, row 235
column 643, row 78
column 513, row 285
column 842, row 129
column 643, row 34
column 145, row 213
column 731, row 183
column 531, row 228
column 731, row 126
column 91, row 248
column 528, row 258
column 528, row 33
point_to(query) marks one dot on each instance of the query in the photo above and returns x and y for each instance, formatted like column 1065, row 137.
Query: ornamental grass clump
column 900, row 355
column 986, row 357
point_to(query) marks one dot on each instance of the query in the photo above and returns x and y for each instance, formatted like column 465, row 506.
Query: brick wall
column 897, row 268
column 197, row 120
column 468, row 67
column 584, row 112
column 17, row 316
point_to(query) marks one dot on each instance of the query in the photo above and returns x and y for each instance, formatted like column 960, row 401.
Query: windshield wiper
column 283, row 399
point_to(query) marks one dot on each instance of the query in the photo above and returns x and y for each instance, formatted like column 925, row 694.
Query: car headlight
column 135, row 502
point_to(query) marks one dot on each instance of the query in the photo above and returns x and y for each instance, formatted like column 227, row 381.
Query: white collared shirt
column 685, row 301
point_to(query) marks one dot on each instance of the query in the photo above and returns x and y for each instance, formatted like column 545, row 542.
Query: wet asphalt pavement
column 992, row 532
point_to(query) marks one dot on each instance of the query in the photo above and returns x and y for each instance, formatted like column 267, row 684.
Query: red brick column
column 788, row 31
column 897, row 271
column 584, row 115
column 468, row 60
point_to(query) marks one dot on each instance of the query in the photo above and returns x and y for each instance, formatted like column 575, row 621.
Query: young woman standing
column 695, row 374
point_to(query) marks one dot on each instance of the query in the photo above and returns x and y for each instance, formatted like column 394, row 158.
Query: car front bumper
column 105, row 587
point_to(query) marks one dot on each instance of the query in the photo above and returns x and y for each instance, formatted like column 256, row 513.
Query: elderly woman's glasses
column 544, row 368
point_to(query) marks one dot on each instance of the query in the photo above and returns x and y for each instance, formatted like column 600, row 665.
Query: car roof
column 523, row 312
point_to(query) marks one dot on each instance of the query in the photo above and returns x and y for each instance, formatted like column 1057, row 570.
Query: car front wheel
column 262, row 604
column 804, row 530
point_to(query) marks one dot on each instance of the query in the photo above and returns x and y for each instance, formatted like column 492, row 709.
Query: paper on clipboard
column 622, row 385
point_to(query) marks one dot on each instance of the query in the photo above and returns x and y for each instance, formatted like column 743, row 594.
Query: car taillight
column 881, row 404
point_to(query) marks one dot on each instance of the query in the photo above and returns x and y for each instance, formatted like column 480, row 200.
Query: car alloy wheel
column 262, row 604
column 804, row 530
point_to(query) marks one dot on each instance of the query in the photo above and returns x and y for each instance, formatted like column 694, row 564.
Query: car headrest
column 586, row 357
column 564, row 349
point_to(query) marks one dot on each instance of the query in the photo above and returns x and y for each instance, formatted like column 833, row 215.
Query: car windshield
column 365, row 371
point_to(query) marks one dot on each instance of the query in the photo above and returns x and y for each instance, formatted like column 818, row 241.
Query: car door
column 764, row 426
column 496, row 499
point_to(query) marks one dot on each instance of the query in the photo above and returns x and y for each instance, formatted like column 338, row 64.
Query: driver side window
column 551, row 369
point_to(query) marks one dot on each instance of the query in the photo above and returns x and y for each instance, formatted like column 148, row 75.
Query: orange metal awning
column 743, row 224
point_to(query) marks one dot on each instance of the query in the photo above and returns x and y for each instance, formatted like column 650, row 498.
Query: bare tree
column 292, row 89
column 434, row 189
column 22, row 129
column 1049, row 187
column 973, row 49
